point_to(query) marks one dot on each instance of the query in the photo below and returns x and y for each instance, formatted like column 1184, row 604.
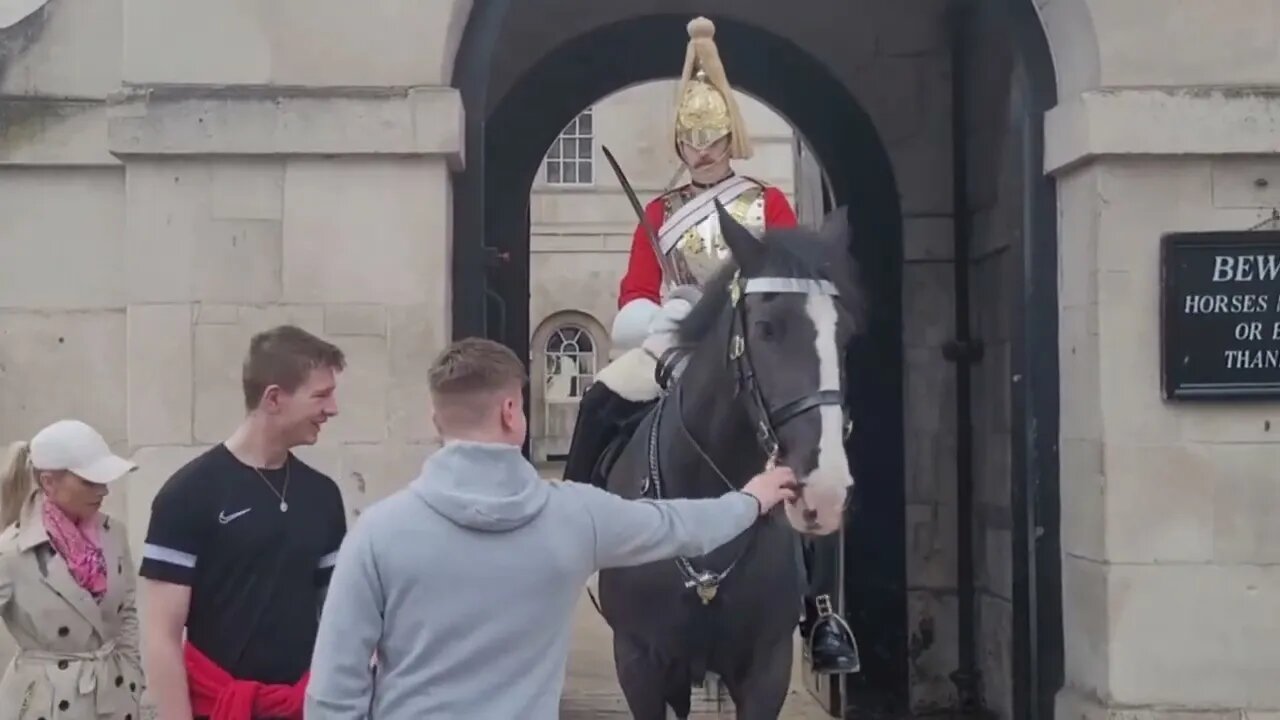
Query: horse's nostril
column 810, row 516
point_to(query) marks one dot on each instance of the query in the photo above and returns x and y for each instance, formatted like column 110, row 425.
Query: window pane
column 555, row 151
column 569, row 147
column 584, row 149
column 584, row 123
column 584, row 172
column 570, row 173
column 553, row 172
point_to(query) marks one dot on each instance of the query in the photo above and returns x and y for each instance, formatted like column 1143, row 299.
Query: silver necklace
column 284, row 506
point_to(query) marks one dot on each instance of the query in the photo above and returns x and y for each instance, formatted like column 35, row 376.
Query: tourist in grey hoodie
column 464, row 583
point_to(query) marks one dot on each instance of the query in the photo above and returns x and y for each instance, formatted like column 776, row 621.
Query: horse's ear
column 836, row 228
column 746, row 248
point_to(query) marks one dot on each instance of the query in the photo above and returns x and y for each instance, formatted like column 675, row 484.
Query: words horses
column 763, row 382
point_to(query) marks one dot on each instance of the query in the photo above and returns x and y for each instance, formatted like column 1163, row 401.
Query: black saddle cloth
column 605, row 423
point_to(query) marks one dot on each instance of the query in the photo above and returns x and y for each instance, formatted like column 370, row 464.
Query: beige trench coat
column 77, row 659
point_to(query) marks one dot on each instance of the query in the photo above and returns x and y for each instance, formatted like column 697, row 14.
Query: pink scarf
column 83, row 556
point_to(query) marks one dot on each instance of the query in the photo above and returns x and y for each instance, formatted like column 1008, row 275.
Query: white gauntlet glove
column 675, row 307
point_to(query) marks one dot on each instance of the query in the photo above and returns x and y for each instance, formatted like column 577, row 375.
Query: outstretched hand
column 772, row 487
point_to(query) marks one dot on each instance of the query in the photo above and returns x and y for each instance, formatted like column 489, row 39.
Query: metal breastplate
column 702, row 249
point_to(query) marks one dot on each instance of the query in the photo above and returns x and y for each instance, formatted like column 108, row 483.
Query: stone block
column 247, row 189
column 928, row 238
column 995, row 640
column 1213, row 628
column 928, row 305
column 931, row 468
column 186, row 41
column 931, row 546
column 416, row 334
column 74, row 51
column 178, row 252
column 910, row 28
column 365, row 231
column 1241, row 479
column 992, row 469
column 355, row 320
column 293, row 42
column 219, row 352
column 995, row 565
column 905, row 96
column 1129, row 337
column 1086, row 627
column 930, row 392
column 362, row 392
column 1078, row 369
column 216, row 314
column 935, row 649
column 56, row 365
column 409, row 412
column 922, row 166
column 1160, row 504
column 1245, row 182
column 1083, row 496
column 62, row 238
column 1078, row 203
column 371, row 473
column 160, row 374
column 55, row 132
column 1076, row 705
column 1232, row 42
column 155, row 465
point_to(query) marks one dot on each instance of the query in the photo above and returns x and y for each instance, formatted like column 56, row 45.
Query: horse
column 762, row 383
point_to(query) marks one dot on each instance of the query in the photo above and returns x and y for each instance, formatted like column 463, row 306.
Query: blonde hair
column 466, row 373
column 17, row 483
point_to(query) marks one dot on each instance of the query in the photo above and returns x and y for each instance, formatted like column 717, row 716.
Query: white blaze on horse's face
column 820, row 509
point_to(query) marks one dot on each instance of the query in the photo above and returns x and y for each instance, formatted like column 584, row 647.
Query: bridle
column 766, row 419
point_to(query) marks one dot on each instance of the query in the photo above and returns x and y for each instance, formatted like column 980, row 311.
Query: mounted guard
column 676, row 248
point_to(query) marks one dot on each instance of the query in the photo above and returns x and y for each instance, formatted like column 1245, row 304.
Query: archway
column 506, row 139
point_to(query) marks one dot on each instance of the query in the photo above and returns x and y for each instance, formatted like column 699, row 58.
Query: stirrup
column 825, row 612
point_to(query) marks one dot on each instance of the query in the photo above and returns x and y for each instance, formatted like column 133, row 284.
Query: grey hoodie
column 465, row 582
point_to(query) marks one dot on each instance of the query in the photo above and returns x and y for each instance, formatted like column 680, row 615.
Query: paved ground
column 591, row 688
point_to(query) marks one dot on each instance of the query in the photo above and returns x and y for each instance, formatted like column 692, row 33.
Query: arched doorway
column 510, row 124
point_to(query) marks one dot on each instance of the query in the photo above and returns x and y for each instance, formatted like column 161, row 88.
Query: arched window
column 571, row 363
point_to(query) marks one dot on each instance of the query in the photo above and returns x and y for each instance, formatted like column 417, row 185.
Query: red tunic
column 644, row 275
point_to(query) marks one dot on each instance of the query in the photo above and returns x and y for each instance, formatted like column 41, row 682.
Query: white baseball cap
column 73, row 445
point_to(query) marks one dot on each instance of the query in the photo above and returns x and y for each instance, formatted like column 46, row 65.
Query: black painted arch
column 504, row 149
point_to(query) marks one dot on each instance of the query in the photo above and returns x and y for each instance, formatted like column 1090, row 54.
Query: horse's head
column 795, row 305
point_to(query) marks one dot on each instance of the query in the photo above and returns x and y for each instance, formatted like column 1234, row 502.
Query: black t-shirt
column 256, row 573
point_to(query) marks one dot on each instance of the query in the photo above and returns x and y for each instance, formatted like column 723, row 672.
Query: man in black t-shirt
column 241, row 544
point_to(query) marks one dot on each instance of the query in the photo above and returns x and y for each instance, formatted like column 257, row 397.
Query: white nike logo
column 224, row 518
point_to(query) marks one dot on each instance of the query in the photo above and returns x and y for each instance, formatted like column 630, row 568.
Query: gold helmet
column 705, row 106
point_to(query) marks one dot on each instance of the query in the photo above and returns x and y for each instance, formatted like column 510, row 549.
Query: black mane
column 790, row 252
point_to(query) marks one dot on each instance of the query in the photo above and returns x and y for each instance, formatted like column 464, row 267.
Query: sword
column 668, row 272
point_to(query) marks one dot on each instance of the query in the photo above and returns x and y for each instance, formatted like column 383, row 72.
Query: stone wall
column 992, row 121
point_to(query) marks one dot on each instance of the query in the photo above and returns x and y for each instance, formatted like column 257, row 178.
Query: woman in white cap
column 66, row 582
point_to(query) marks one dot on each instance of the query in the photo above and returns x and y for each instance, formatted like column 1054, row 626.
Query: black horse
column 762, row 382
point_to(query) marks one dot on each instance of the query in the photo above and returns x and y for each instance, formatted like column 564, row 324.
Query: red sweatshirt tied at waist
column 218, row 696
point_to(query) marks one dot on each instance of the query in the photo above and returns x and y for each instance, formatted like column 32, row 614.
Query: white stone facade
column 175, row 174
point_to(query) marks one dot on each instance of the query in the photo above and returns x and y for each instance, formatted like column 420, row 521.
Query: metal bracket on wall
column 970, row 352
